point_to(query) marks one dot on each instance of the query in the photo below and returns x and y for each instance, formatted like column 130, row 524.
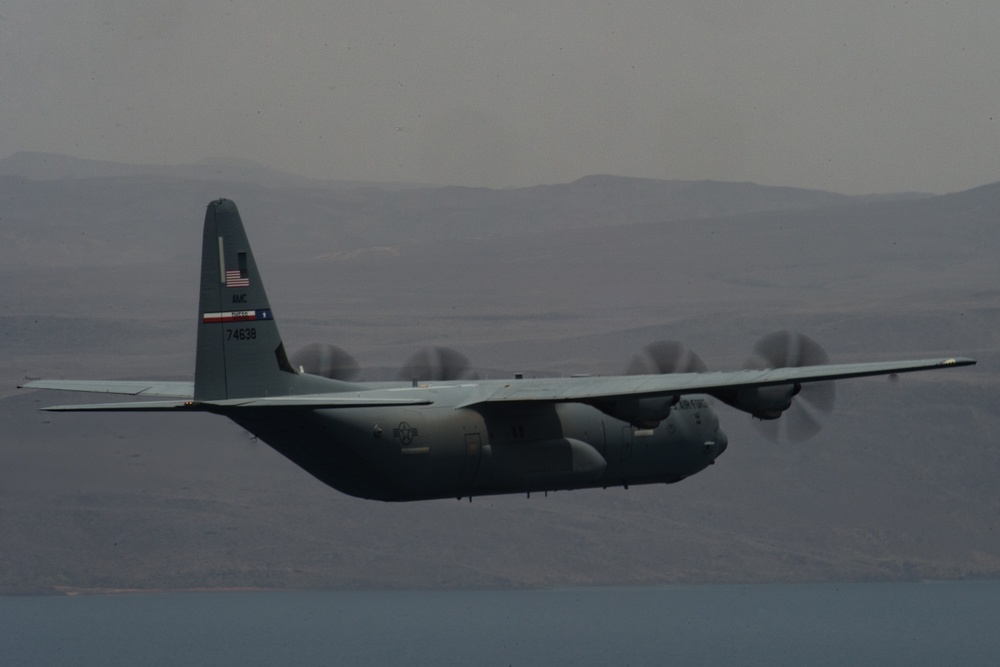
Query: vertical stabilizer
column 240, row 353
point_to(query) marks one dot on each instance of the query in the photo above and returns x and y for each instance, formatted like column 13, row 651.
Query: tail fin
column 240, row 353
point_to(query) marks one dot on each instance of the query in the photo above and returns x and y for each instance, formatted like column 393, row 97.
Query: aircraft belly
column 423, row 453
column 303, row 437
column 538, row 465
column 455, row 453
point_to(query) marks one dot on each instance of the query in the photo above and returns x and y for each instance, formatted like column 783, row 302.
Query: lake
column 930, row 623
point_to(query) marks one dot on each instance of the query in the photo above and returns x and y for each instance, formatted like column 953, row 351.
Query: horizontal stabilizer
column 138, row 406
column 319, row 401
column 314, row 402
column 129, row 387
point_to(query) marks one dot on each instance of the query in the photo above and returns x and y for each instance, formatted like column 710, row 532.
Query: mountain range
column 100, row 262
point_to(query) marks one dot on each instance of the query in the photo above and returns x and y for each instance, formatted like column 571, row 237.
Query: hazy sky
column 854, row 96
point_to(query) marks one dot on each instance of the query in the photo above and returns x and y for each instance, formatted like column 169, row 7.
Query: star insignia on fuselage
column 405, row 433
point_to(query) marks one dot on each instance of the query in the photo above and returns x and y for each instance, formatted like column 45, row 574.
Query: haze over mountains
column 100, row 266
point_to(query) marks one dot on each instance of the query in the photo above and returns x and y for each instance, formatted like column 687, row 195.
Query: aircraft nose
column 721, row 442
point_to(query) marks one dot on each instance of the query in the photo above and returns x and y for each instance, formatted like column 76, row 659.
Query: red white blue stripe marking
column 237, row 316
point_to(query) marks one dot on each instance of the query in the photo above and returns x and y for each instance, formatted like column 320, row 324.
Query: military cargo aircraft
column 443, row 433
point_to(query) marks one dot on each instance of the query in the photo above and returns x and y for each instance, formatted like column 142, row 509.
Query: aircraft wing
column 585, row 390
column 554, row 390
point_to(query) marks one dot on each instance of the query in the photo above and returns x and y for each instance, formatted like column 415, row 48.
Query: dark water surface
column 815, row 624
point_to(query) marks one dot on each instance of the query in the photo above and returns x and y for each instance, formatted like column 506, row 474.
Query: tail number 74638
column 248, row 333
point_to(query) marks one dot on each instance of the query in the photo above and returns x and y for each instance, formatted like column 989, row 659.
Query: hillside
column 101, row 276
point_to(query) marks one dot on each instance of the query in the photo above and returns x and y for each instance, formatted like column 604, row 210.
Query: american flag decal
column 234, row 279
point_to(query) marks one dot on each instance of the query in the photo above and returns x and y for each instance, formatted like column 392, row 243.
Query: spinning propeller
column 781, row 349
column 437, row 364
column 327, row 360
column 814, row 400
column 665, row 356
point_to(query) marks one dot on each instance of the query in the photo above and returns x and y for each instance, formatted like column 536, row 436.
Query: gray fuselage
column 443, row 451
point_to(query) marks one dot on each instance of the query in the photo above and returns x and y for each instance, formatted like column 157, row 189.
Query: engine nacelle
column 641, row 412
column 762, row 402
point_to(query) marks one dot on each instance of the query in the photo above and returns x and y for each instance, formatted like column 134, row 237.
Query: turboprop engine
column 762, row 402
column 639, row 412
